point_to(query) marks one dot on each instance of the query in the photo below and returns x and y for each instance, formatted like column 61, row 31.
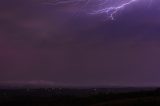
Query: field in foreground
column 79, row 97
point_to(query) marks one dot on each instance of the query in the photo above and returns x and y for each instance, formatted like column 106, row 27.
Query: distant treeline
column 65, row 97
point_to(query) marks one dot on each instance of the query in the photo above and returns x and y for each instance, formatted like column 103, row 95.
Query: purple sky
column 63, row 46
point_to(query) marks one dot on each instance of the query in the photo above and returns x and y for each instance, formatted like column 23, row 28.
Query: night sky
column 63, row 45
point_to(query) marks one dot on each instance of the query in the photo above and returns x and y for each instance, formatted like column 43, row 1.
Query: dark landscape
column 79, row 52
column 115, row 96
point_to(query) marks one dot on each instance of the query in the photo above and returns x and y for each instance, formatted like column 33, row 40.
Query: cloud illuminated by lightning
column 109, row 7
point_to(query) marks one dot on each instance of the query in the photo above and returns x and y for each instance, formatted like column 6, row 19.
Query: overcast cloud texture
column 65, row 45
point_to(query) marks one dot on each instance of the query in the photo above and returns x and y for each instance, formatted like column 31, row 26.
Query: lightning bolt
column 109, row 7
column 114, row 9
